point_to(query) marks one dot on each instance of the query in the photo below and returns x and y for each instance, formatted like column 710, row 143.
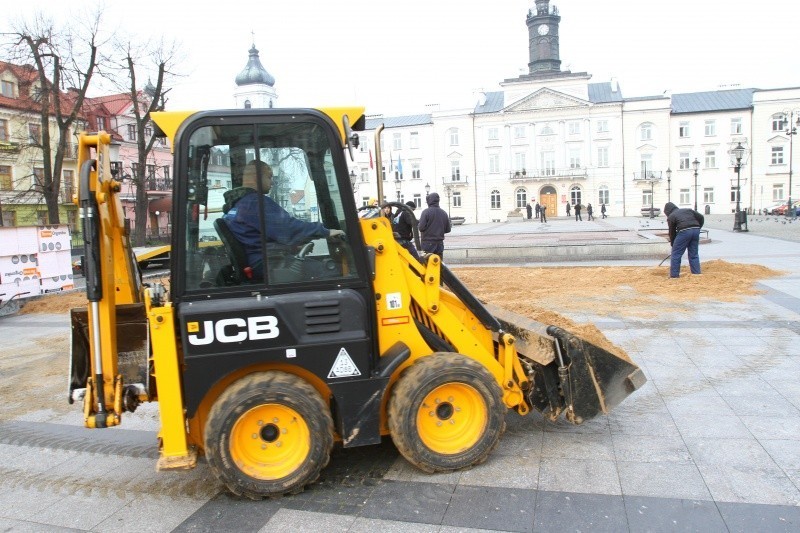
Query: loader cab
column 279, row 293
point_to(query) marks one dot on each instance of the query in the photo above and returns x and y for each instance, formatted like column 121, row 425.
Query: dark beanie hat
column 411, row 204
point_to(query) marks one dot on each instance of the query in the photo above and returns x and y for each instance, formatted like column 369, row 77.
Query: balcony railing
column 158, row 184
column 548, row 174
column 455, row 183
column 649, row 175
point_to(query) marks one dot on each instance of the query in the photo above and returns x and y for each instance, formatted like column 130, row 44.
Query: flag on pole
column 391, row 161
column 370, row 160
column 400, row 165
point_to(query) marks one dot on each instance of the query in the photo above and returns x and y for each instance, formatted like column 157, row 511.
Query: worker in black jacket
column 684, row 234
column 404, row 227
column 433, row 224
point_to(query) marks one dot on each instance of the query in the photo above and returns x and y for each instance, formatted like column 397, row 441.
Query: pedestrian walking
column 528, row 210
column 603, row 210
column 434, row 222
column 568, row 206
column 684, row 235
column 589, row 211
column 542, row 211
column 578, row 212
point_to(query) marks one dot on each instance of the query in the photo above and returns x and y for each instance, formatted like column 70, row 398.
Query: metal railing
column 158, row 184
column 649, row 175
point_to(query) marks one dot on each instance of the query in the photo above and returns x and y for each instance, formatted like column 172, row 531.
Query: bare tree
column 65, row 59
column 154, row 59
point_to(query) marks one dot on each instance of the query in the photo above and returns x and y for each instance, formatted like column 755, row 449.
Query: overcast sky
column 398, row 57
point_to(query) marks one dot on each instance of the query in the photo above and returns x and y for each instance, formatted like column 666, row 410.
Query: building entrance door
column 547, row 196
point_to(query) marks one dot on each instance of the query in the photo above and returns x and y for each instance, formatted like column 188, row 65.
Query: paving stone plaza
column 710, row 443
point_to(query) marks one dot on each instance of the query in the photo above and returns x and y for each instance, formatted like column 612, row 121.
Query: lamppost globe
column 427, row 190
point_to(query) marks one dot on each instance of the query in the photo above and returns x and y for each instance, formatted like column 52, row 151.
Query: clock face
column 543, row 29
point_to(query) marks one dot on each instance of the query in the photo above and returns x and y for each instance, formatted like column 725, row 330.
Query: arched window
column 646, row 131
column 575, row 195
column 521, row 196
column 778, row 121
column 494, row 199
column 602, row 195
column 546, row 130
column 247, row 104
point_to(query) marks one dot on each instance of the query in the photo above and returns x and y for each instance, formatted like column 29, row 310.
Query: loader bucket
column 132, row 346
column 570, row 374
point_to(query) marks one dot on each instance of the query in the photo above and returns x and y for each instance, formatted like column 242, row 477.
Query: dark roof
column 603, row 93
column 254, row 72
column 398, row 122
column 712, row 101
column 494, row 103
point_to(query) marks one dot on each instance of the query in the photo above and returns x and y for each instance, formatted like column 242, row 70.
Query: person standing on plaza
column 404, row 226
column 589, row 211
column 538, row 210
column 603, row 210
column 578, row 212
column 542, row 213
column 529, row 210
column 684, row 235
column 568, row 212
column 434, row 222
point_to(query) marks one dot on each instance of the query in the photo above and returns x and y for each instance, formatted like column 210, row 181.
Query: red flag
column 370, row 159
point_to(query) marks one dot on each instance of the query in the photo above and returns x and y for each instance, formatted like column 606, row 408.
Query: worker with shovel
column 684, row 234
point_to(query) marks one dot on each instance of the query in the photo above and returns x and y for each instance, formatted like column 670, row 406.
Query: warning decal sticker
column 343, row 367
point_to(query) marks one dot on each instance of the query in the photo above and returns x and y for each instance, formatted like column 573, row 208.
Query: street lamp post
column 791, row 131
column 668, row 172
column 652, row 197
column 696, row 166
column 427, row 190
column 738, row 153
column 447, row 188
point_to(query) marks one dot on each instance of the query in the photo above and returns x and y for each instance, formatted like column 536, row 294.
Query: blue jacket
column 282, row 228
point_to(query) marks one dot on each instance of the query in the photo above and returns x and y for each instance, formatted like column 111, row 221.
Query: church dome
column 254, row 72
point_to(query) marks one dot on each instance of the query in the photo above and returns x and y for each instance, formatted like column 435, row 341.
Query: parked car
column 769, row 210
column 782, row 209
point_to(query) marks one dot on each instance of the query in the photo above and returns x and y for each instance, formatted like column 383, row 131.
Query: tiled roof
column 603, row 93
column 114, row 104
column 398, row 122
column 712, row 101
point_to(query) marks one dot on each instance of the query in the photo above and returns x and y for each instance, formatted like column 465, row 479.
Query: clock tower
column 543, row 39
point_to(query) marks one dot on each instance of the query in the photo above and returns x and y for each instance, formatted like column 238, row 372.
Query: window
column 494, row 199
column 521, row 197
column 777, row 191
column 647, row 198
column 247, row 104
column 166, row 173
column 413, row 140
column 736, row 126
column 575, row 194
column 711, row 159
column 646, row 132
column 708, row 195
column 456, row 198
column 733, row 193
column 546, row 130
column 101, row 124
column 297, row 154
column 494, row 163
column 151, row 172
column 68, row 185
column 684, row 197
column 453, row 134
column 38, row 177
column 777, row 155
column 602, row 156
column 519, row 161
column 35, row 133
column 383, row 172
column 131, row 132
column 602, row 126
column 455, row 170
column 519, row 131
column 574, row 158
column 548, row 163
column 492, row 134
column 7, row 88
column 417, row 200
column 4, row 130
column 416, row 173
column 683, row 161
column 603, row 195
column 574, row 127
column 6, row 183
column 683, row 130
column 397, row 143
column 777, row 122
column 135, row 170
column 646, row 164
column 711, row 128
column 148, row 131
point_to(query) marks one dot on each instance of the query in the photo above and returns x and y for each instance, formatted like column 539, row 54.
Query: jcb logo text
column 253, row 328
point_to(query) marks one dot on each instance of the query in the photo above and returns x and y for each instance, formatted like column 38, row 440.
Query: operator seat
column 240, row 269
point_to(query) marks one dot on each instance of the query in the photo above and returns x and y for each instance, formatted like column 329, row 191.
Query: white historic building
column 553, row 136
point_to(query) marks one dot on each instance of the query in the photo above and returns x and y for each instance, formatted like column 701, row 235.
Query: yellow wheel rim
column 270, row 441
column 452, row 418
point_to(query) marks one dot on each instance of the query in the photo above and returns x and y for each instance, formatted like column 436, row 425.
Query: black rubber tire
column 428, row 375
column 268, row 391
